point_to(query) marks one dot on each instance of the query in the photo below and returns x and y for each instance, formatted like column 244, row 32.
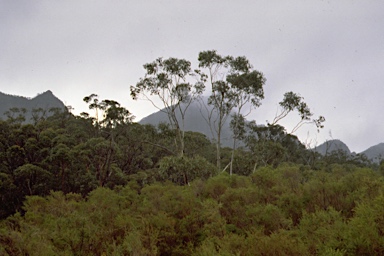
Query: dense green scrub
column 73, row 185
column 76, row 154
column 289, row 210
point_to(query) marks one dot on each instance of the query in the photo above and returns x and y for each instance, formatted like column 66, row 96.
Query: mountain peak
column 49, row 92
column 45, row 100
column 195, row 120
column 375, row 153
column 331, row 146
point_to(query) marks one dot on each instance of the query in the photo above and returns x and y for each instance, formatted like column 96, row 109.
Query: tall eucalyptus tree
column 235, row 86
column 175, row 86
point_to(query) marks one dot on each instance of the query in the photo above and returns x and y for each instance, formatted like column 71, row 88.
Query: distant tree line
column 101, row 184
column 235, row 90
column 79, row 153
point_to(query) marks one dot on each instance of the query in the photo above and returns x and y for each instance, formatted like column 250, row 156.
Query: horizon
column 157, row 110
column 330, row 52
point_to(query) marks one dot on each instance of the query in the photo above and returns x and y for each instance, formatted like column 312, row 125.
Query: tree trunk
column 218, row 149
column 232, row 156
column 180, row 142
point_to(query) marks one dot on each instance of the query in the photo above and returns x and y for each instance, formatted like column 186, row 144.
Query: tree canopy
column 103, row 184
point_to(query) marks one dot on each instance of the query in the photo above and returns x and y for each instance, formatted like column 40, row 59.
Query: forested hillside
column 76, row 154
column 196, row 120
column 101, row 184
column 115, row 187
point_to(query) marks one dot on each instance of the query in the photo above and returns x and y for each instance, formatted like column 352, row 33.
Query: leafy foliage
column 104, row 185
column 169, row 81
column 271, row 212
column 234, row 84
column 294, row 102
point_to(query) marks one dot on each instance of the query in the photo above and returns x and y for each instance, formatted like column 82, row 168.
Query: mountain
column 375, row 153
column 330, row 146
column 45, row 100
column 195, row 120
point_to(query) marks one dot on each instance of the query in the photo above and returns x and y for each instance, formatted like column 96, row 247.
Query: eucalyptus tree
column 38, row 115
column 112, row 113
column 294, row 102
column 115, row 114
column 271, row 145
column 235, row 85
column 170, row 81
column 94, row 103
column 16, row 115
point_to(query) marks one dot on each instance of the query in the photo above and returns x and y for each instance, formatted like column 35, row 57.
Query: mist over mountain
column 330, row 146
column 196, row 120
column 375, row 153
column 45, row 101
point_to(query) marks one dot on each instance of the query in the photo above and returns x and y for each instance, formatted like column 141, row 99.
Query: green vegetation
column 104, row 185
column 289, row 210
column 72, row 185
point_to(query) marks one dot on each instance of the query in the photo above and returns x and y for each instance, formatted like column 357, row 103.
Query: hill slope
column 330, row 146
column 195, row 120
column 375, row 153
column 45, row 100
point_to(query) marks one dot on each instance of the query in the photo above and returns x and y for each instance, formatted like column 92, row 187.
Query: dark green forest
column 101, row 184
column 71, row 187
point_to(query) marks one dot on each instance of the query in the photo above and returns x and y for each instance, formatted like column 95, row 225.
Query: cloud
column 328, row 51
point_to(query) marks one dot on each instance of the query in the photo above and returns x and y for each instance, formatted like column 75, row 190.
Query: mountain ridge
column 194, row 122
column 45, row 101
column 330, row 146
column 374, row 153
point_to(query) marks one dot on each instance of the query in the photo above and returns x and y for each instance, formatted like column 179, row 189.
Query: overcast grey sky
column 331, row 52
